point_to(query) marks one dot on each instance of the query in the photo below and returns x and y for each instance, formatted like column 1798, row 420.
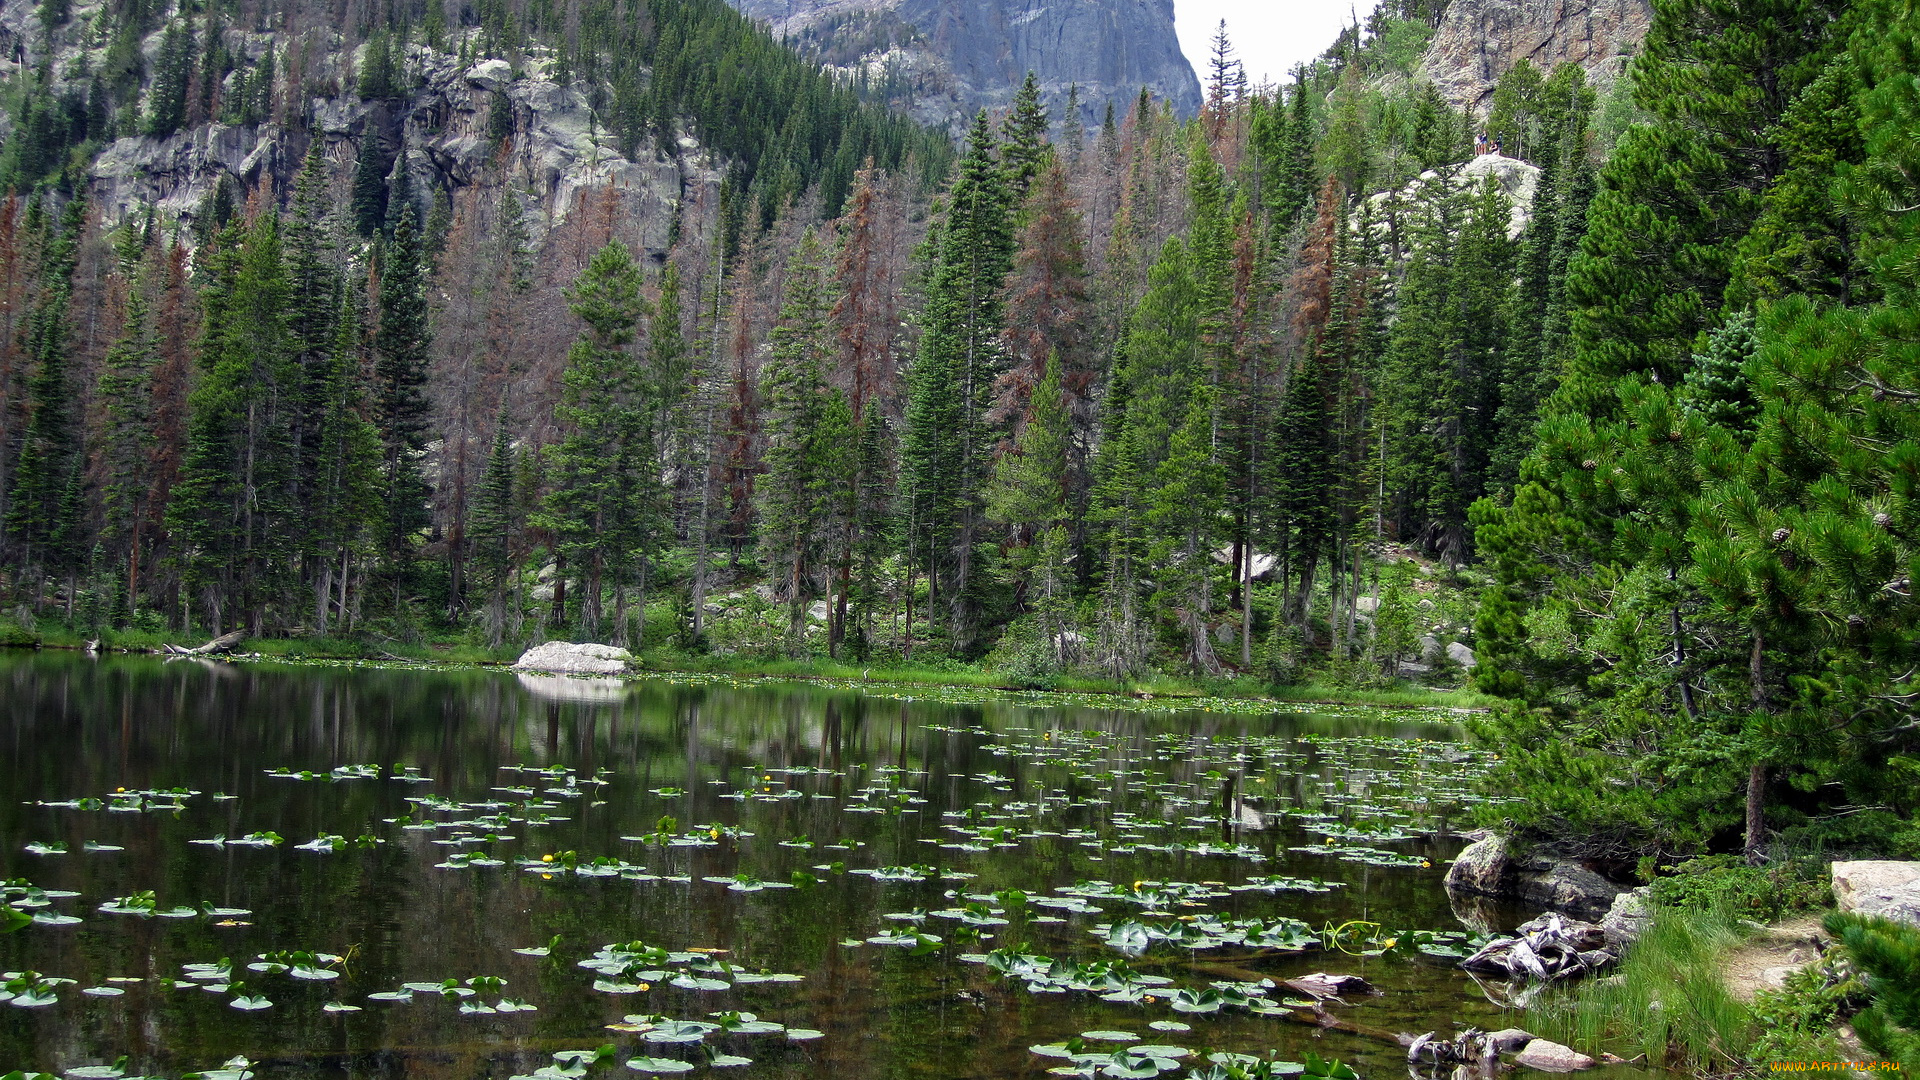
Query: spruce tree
column 232, row 516
column 127, row 444
column 949, row 442
column 369, row 196
column 400, row 408
column 496, row 522
column 41, row 513
column 601, row 498
column 1025, row 148
column 173, row 71
column 798, row 470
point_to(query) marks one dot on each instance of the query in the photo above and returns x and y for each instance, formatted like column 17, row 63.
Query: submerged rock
column 567, row 658
column 1552, row 1057
column 1885, row 888
column 1507, row 1040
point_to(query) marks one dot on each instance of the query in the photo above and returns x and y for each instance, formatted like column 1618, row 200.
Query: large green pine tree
column 602, row 500
column 949, row 444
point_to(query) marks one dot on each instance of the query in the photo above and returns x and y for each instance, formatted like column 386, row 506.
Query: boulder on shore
column 1552, row 1057
column 1888, row 889
column 1539, row 877
column 1627, row 919
column 567, row 658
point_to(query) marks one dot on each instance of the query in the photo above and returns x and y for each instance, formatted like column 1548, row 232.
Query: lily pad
column 659, row 1066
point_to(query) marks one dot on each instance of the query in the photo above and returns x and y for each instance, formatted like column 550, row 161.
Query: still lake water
column 1147, row 818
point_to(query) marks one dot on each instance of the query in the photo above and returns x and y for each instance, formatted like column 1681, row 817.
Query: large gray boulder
column 1890, row 890
column 1627, row 919
column 1540, row 877
column 567, row 658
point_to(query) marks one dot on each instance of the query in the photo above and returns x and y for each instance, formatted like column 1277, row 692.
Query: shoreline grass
column 949, row 674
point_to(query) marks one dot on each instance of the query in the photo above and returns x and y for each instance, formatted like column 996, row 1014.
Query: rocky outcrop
column 946, row 59
column 1516, row 179
column 567, row 658
column 1478, row 40
column 1890, row 890
column 557, row 153
column 1627, row 919
column 1541, row 878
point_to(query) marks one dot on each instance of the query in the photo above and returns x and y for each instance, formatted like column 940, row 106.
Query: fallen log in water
column 224, row 643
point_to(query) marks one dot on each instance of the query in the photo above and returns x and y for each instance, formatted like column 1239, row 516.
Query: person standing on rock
column 1480, row 145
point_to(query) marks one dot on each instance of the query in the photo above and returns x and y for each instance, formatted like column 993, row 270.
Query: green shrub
column 1727, row 885
column 1889, row 954
column 1796, row 1021
column 12, row 634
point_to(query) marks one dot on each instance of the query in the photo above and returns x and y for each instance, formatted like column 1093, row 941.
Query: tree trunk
column 1246, row 614
column 322, row 594
column 1756, row 841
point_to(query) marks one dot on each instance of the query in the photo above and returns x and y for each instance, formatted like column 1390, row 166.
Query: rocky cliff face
column 556, row 153
column 944, row 59
column 1478, row 40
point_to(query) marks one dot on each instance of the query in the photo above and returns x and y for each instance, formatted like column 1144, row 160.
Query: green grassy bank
column 666, row 659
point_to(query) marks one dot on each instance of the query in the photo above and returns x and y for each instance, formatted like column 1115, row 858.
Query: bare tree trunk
column 1246, row 615
column 1756, row 840
column 322, row 594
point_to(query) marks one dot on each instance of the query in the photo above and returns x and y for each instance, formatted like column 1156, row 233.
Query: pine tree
column 797, row 460
column 369, row 198
column 1184, row 514
column 601, row 500
column 173, row 71
column 1889, row 952
column 1679, row 194
column 42, row 514
column 1025, row 148
column 231, row 514
column 949, row 442
column 127, row 445
column 379, row 69
column 343, row 497
column 1159, row 369
column 400, row 409
column 496, row 523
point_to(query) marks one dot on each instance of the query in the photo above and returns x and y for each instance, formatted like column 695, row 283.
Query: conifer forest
column 1618, row 428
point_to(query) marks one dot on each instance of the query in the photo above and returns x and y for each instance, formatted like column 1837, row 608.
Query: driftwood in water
column 1547, row 949
column 224, row 643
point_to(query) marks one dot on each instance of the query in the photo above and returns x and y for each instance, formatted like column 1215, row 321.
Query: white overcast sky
column 1269, row 36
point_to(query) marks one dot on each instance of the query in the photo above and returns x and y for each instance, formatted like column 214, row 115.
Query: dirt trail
column 1787, row 944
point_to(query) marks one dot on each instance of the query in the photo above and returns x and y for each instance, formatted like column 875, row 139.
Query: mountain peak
column 945, row 59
